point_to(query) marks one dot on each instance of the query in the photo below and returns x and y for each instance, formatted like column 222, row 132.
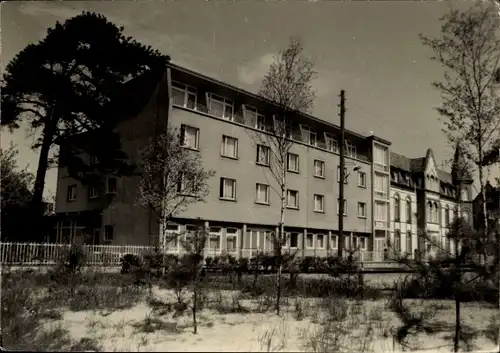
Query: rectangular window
column 361, row 210
column 292, row 162
column 227, row 189
column 333, row 242
column 293, row 240
column 319, row 203
column 190, row 137
column 292, row 198
column 109, row 233
column 231, row 239
column 310, row 241
column 320, row 241
column 94, row 160
column 308, row 135
column 263, row 155
column 111, row 186
column 319, row 168
column 362, row 179
column 71, row 193
column 172, row 234
column 380, row 185
column 345, row 207
column 338, row 175
column 362, row 243
column 331, row 143
column 381, row 211
column 256, row 119
column 183, row 95
column 229, row 147
column 93, row 192
column 187, row 186
column 351, row 150
column 380, row 157
column 214, row 238
column 262, row 193
column 220, row 107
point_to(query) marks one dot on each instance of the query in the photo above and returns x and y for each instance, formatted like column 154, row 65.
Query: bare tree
column 469, row 51
column 172, row 178
column 288, row 85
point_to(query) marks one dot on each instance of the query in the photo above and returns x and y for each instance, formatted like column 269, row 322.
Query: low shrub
column 128, row 261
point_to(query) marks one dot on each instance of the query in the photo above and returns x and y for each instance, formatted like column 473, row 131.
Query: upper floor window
column 227, row 189
column 380, row 158
column 256, row 119
column 429, row 212
column 361, row 209
column 308, row 135
column 362, row 179
column 263, row 155
column 319, row 168
column 397, row 208
column 292, row 198
column 71, row 193
column 338, row 175
column 447, row 216
column 229, row 147
column 190, row 137
column 331, row 143
column 293, row 162
column 351, row 150
column 111, row 185
column 408, row 210
column 220, row 106
column 380, row 185
column 319, row 203
column 183, row 95
column 464, row 195
column 262, row 193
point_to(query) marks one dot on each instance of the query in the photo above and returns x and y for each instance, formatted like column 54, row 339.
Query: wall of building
column 247, row 173
column 406, row 229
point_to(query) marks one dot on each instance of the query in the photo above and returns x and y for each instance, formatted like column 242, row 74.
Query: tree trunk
column 281, row 236
column 458, row 277
column 43, row 163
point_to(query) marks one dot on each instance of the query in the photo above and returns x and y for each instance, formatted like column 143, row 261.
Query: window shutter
column 221, row 193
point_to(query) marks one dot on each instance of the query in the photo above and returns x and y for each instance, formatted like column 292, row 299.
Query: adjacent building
column 387, row 195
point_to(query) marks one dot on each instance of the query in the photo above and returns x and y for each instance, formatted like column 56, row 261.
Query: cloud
column 256, row 69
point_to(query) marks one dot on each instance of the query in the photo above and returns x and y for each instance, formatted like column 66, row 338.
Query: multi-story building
column 424, row 204
column 219, row 121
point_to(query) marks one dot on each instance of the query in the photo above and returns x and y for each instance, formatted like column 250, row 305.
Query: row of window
column 397, row 209
column 263, row 191
column 229, row 148
column 72, row 190
column 187, row 97
column 261, row 240
column 433, row 213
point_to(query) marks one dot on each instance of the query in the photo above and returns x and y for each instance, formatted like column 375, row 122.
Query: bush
column 128, row 261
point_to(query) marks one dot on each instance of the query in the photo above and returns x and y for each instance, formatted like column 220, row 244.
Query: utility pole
column 342, row 174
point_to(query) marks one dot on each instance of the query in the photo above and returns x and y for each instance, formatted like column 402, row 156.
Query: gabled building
column 492, row 206
column 424, row 202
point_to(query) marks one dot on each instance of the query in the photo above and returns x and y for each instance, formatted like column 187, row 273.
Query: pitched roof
column 416, row 165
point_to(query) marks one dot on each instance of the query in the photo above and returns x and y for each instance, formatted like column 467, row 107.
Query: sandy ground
column 125, row 330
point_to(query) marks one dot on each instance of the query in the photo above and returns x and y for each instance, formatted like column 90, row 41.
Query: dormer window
column 351, row 150
column 331, row 143
column 220, row 107
column 308, row 135
column 183, row 95
column 281, row 126
column 254, row 118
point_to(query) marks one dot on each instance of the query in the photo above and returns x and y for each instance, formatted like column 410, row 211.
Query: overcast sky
column 369, row 49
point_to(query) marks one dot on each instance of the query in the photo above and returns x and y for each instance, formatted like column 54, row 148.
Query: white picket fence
column 33, row 254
